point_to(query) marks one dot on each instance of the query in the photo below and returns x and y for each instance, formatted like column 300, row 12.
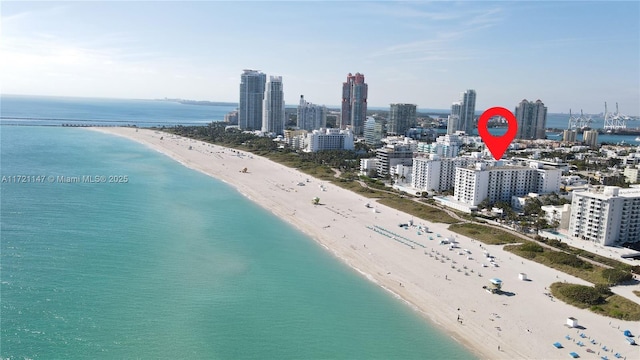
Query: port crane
column 615, row 121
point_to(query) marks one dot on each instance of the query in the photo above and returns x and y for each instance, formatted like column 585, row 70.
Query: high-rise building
column 607, row 216
column 500, row 183
column 373, row 131
column 354, row 103
column 532, row 119
column 463, row 114
column 468, row 112
column 311, row 117
column 434, row 173
column 392, row 155
column 252, row 83
column 401, row 118
column 590, row 138
column 273, row 113
column 453, row 123
column 569, row 135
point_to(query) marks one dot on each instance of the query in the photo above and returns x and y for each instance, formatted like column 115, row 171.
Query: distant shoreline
column 199, row 102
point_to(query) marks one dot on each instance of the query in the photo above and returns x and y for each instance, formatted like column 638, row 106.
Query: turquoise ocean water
column 173, row 264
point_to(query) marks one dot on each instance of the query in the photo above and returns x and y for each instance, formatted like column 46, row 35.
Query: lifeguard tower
column 495, row 285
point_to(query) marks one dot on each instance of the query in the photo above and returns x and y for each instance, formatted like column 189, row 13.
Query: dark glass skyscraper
column 252, row 84
column 401, row 118
column 354, row 103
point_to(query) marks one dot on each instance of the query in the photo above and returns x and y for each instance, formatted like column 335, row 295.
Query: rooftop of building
column 607, row 192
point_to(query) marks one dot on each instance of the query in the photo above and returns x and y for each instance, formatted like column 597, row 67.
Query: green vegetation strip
column 566, row 262
column 595, row 257
column 486, row 234
column 598, row 299
column 569, row 264
column 424, row 212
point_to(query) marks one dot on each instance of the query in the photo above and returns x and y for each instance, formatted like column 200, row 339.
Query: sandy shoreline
column 441, row 284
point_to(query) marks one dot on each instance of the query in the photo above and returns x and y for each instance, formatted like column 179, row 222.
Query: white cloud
column 441, row 42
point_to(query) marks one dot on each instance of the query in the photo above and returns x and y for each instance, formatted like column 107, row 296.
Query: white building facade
column 373, row 131
column 548, row 178
column 392, row 155
column 310, row 116
column 434, row 173
column 500, row 183
column 368, row 167
column 444, row 146
column 606, row 215
column 329, row 139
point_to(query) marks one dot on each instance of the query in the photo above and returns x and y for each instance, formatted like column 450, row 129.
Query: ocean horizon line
column 429, row 111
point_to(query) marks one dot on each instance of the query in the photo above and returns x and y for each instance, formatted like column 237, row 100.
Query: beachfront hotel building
column 329, row 139
column 273, row 111
column 252, row 85
column 500, row 183
column 391, row 156
column 606, row 215
column 354, row 103
column 373, row 131
column 369, row 167
column 401, row 118
column 435, row 173
column 310, row 116
column 532, row 119
column 296, row 139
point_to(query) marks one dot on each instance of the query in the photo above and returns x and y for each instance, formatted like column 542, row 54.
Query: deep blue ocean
column 169, row 263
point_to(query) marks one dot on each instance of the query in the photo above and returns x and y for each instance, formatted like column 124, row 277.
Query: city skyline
column 423, row 53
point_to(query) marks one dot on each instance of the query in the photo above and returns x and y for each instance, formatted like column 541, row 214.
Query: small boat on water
column 638, row 139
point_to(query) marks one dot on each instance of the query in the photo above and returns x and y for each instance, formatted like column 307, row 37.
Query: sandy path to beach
column 444, row 286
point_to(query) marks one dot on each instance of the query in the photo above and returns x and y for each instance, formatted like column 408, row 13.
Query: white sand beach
column 442, row 285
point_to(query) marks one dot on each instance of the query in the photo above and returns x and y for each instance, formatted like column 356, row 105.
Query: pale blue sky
column 567, row 54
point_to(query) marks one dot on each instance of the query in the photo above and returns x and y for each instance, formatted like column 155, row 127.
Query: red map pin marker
column 497, row 144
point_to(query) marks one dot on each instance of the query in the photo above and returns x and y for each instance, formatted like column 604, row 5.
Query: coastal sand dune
column 444, row 286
